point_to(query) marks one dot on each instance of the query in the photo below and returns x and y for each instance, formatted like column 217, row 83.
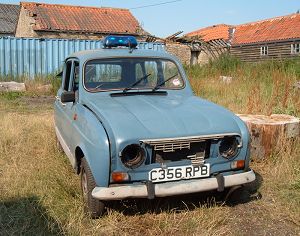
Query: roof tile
column 212, row 32
column 279, row 28
column 55, row 17
column 274, row 29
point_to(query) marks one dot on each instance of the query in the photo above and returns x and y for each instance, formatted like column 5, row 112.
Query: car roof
column 119, row 52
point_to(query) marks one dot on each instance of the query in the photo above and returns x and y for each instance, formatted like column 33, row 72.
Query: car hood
column 132, row 118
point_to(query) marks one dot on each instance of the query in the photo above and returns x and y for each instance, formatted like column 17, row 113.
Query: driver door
column 65, row 112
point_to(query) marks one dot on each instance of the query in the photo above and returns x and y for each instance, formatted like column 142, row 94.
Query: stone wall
column 183, row 52
column 204, row 58
column 25, row 25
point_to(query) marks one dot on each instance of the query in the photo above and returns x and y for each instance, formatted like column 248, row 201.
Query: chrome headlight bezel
column 229, row 147
column 133, row 156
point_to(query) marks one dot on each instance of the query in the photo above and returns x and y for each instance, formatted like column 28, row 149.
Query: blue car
column 132, row 128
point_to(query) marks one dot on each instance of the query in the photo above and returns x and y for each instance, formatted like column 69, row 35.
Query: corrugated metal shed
column 9, row 15
column 31, row 57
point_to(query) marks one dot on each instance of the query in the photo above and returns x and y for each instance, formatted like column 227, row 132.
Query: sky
column 188, row 15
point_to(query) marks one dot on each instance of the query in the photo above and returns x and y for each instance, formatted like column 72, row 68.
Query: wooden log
column 12, row 86
column 267, row 131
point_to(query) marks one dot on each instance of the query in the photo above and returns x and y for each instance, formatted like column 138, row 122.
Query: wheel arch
column 79, row 154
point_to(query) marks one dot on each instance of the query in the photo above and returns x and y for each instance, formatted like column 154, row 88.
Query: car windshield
column 131, row 73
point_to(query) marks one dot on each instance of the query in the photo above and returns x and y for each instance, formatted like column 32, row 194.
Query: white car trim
column 65, row 147
column 170, row 188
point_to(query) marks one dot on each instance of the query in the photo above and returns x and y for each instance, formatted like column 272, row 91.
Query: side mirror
column 67, row 96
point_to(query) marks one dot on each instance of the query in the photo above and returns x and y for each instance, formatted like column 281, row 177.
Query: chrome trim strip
column 189, row 139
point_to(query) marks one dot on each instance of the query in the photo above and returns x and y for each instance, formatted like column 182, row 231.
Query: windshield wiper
column 135, row 83
column 165, row 81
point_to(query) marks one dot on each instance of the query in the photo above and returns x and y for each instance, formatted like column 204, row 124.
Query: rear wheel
column 92, row 206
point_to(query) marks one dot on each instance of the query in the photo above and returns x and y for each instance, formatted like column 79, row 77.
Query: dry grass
column 40, row 194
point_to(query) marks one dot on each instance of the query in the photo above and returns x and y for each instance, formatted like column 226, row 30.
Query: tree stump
column 266, row 131
column 12, row 86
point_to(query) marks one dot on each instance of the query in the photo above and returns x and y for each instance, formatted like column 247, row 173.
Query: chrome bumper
column 170, row 188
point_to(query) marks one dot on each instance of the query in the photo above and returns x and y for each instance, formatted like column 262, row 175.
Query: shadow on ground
column 25, row 216
column 240, row 195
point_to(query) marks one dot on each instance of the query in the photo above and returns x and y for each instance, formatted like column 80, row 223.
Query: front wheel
column 92, row 206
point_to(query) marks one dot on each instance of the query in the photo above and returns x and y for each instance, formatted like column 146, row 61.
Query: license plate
column 178, row 172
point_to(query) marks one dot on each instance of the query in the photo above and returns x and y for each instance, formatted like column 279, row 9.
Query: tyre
column 92, row 206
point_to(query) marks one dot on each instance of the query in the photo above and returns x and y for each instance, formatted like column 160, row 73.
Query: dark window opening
column 67, row 75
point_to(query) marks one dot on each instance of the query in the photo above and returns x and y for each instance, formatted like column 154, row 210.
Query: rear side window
column 67, row 75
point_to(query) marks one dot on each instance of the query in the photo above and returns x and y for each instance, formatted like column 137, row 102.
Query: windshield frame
column 137, row 88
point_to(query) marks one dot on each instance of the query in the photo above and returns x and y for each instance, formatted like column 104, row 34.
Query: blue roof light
column 120, row 41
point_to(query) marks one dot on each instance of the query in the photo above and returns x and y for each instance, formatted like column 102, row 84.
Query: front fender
column 92, row 138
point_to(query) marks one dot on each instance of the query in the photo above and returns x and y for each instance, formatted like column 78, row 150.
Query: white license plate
column 178, row 172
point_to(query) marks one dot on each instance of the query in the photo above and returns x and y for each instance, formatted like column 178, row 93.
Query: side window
column 67, row 75
column 264, row 50
column 295, row 48
column 75, row 76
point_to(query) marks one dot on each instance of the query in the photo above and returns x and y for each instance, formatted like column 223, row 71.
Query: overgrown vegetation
column 40, row 194
column 261, row 88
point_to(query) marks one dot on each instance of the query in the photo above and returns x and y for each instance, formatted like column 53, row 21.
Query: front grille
column 193, row 151
column 171, row 147
column 195, row 148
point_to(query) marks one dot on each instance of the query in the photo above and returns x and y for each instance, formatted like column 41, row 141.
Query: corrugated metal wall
column 31, row 57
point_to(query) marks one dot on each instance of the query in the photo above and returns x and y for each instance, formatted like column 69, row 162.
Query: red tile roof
column 212, row 32
column 279, row 28
column 274, row 29
column 55, row 17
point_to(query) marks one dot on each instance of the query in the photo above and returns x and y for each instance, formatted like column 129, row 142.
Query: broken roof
column 66, row 18
column 274, row 29
column 9, row 15
column 214, row 32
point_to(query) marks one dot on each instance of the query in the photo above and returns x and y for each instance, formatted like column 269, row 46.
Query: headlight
column 228, row 147
column 133, row 156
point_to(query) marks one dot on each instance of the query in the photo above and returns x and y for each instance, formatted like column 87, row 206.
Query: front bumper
column 171, row 188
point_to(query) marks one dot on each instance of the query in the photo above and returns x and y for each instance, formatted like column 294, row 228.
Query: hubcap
column 84, row 186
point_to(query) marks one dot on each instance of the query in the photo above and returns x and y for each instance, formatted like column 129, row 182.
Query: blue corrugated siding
column 31, row 57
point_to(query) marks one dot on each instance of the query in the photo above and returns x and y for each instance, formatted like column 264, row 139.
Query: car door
column 64, row 112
